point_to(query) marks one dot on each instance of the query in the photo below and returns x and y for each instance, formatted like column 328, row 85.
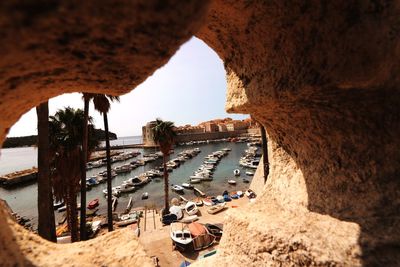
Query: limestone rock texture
column 321, row 76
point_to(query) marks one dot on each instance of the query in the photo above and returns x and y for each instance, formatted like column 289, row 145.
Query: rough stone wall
column 321, row 76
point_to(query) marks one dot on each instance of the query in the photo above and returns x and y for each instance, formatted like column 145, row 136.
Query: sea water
column 23, row 198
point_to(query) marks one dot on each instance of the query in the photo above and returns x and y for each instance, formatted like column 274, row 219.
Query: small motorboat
column 227, row 198
column 177, row 188
column 187, row 186
column 246, row 181
column 220, row 199
column 195, row 180
column 208, row 202
column 181, row 236
column 145, row 195
column 58, row 204
column 214, row 229
column 93, row 204
column 249, row 173
column 168, row 219
column 198, row 202
column 234, row 195
column 236, row 172
column 191, row 208
column 216, row 208
column 127, row 219
column 183, row 199
column 196, row 190
column 190, row 219
column 125, row 188
column 239, row 193
column 114, row 203
column 177, row 211
column 232, row 182
column 250, row 193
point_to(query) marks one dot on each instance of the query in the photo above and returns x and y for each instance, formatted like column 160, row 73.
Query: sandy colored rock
column 321, row 76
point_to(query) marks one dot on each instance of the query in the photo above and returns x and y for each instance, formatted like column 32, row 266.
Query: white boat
column 145, row 195
column 239, row 193
column 220, row 199
column 236, row 172
column 199, row 192
column 114, row 192
column 177, row 211
column 177, row 188
column 127, row 219
column 187, row 186
column 123, row 168
column 249, row 173
column 181, row 236
column 190, row 219
column 191, row 208
column 183, row 199
column 195, row 180
column 125, row 188
column 232, row 182
column 216, row 208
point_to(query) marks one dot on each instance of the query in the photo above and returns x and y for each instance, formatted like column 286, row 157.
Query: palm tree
column 46, row 227
column 102, row 104
column 86, row 99
column 66, row 150
column 164, row 136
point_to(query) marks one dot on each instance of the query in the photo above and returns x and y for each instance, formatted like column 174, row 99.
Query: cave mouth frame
column 320, row 77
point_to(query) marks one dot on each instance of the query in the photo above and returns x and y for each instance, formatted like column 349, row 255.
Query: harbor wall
column 181, row 138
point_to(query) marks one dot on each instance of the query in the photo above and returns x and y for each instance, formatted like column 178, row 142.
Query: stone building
column 211, row 127
column 236, row 125
column 147, row 134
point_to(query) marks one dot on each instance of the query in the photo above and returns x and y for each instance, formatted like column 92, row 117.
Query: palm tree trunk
column 265, row 152
column 109, row 196
column 83, row 170
column 166, row 188
column 73, row 214
column 46, row 226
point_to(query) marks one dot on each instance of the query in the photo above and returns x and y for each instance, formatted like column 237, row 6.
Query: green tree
column 164, row 136
column 66, row 128
column 102, row 104
column 46, row 224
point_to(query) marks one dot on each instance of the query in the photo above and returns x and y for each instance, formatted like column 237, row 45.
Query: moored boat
column 198, row 191
column 181, row 236
column 191, row 208
column 93, row 204
column 217, row 208
column 190, row 219
column 249, row 173
column 232, row 182
column 145, row 195
column 187, row 186
column 195, row 180
column 236, row 172
column 177, row 188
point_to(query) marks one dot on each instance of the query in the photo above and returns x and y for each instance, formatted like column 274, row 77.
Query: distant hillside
column 31, row 140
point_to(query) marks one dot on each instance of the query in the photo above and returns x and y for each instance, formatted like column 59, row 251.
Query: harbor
column 22, row 198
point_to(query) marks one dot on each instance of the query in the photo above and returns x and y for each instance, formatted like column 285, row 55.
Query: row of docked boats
column 130, row 185
column 120, row 157
column 206, row 170
column 250, row 159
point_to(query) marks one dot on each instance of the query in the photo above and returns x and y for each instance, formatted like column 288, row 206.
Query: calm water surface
column 24, row 198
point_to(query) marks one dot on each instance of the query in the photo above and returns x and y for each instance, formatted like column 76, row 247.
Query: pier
column 121, row 147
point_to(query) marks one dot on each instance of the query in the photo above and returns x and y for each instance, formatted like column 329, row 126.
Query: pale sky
column 189, row 89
